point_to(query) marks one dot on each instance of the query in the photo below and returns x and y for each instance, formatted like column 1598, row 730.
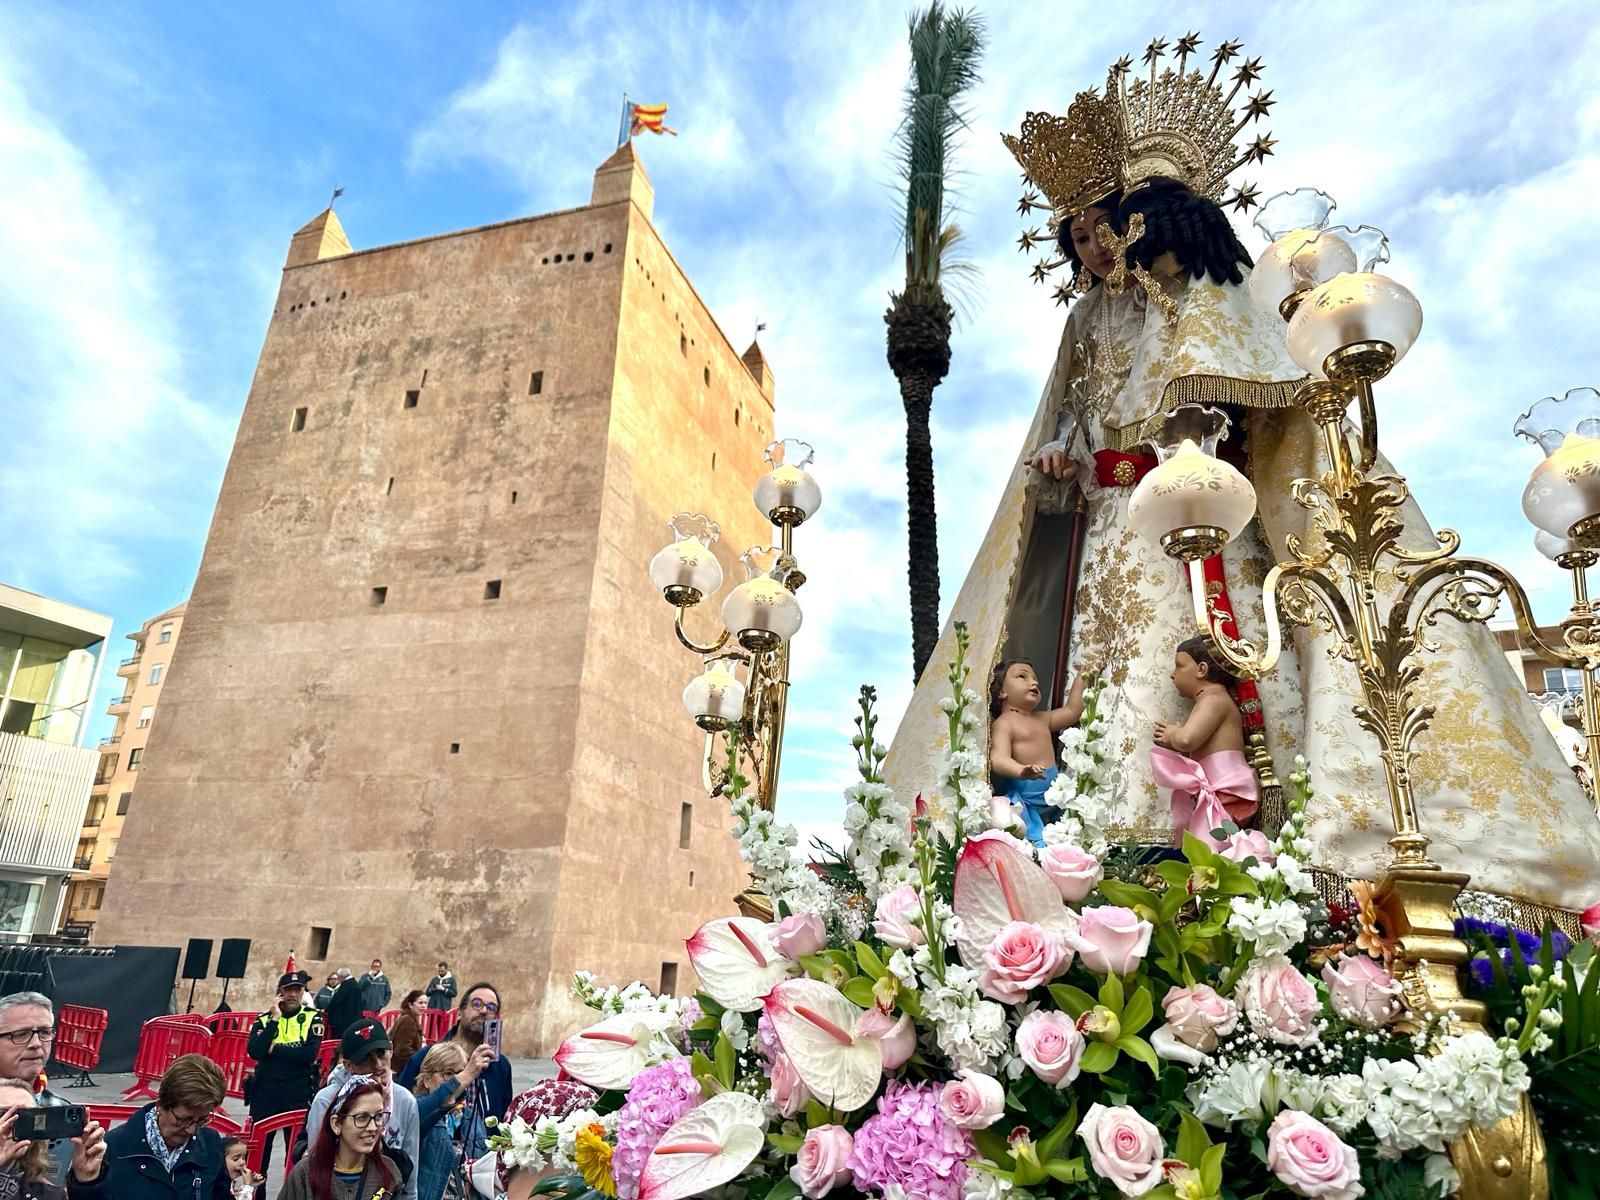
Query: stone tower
column 427, row 702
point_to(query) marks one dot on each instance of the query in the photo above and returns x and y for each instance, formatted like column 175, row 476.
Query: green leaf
column 1128, row 895
column 786, row 1143
column 814, row 965
column 708, row 1006
column 993, row 1145
column 784, row 1189
column 1067, row 1170
column 1050, row 1145
column 1111, row 994
column 910, row 1002
column 871, row 964
column 859, row 991
column 1074, row 1001
column 1137, row 1047
column 1193, row 1140
column 1163, row 1191
column 1098, row 1058
column 843, row 960
column 1211, row 1169
column 725, row 1058
column 1176, row 875
column 705, row 1071
column 817, row 1114
column 1137, row 1012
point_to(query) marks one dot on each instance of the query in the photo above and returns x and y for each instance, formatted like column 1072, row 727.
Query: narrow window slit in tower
column 536, row 383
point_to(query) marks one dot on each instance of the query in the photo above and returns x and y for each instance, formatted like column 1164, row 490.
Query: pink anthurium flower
column 817, row 1028
column 737, row 962
column 608, row 1055
column 997, row 882
column 705, row 1148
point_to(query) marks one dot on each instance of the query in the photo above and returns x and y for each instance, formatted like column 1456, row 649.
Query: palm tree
column 945, row 49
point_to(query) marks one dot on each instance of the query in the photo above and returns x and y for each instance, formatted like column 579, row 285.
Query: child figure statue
column 1202, row 760
column 1022, row 740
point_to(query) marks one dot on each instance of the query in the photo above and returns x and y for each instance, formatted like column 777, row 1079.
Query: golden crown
column 1170, row 122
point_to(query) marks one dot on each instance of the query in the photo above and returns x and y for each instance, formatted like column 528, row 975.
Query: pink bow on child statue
column 1220, row 787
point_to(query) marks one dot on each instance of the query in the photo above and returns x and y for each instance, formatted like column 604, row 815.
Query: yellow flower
column 593, row 1155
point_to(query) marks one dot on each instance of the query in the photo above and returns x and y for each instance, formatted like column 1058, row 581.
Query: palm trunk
column 916, row 393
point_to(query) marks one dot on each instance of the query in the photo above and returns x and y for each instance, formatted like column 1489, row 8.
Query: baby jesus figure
column 1202, row 760
column 1022, row 740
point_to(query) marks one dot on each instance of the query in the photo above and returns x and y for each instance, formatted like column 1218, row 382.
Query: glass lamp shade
column 1564, row 489
column 715, row 698
column 1548, row 422
column 762, row 612
column 1303, row 259
column 1191, row 490
column 1304, row 208
column 1551, row 546
column 687, row 571
column 1357, row 307
column 787, row 494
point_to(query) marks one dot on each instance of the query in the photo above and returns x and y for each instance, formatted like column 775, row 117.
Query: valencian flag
column 642, row 118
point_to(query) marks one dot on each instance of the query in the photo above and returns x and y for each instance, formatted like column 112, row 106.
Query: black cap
column 362, row 1039
column 293, row 979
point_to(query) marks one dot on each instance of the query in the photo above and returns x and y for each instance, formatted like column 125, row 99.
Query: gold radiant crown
column 1174, row 123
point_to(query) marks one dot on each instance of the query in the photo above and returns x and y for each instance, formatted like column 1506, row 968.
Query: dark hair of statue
column 997, row 682
column 1064, row 233
column 1195, row 230
column 1205, row 655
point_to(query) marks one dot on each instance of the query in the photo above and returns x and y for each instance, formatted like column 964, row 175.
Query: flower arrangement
column 1077, row 1020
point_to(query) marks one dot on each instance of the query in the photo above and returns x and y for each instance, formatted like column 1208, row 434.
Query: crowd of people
column 377, row 1126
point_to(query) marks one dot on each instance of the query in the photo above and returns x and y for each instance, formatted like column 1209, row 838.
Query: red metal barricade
column 258, row 1132
column 228, row 1051
column 189, row 1018
column 79, row 1032
column 436, row 1024
column 107, row 1115
column 217, row 1022
column 326, row 1053
column 162, row 1041
column 388, row 1017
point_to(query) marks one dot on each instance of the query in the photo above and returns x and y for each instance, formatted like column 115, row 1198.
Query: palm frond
column 946, row 49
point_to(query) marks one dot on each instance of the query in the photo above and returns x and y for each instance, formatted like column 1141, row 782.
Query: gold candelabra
column 759, row 616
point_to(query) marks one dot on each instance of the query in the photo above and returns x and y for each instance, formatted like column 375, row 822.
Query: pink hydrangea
column 658, row 1097
column 766, row 1038
column 911, row 1143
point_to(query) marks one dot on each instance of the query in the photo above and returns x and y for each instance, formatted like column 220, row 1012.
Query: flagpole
column 622, row 130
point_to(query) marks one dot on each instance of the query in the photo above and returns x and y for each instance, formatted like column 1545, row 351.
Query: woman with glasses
column 346, row 1160
column 165, row 1150
column 25, row 1162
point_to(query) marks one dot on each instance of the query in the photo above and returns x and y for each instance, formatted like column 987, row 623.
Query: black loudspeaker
column 232, row 957
column 197, row 959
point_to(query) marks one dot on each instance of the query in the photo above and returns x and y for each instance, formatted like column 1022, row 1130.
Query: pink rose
column 1051, row 1045
column 799, row 935
column 1111, row 940
column 820, row 1167
column 1361, row 991
column 891, row 920
column 1003, row 814
column 1196, row 1018
column 974, row 1101
column 1072, row 869
column 789, row 1093
column 1021, row 957
column 1280, row 1003
column 1123, row 1148
column 897, row 1039
column 1310, row 1159
column 1589, row 920
column 1248, row 843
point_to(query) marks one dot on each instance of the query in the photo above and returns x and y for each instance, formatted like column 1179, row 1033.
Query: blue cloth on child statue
column 1036, row 814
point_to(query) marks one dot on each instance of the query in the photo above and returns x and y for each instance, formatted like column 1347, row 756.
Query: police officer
column 284, row 1042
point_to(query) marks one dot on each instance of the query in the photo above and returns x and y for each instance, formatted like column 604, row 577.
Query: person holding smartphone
column 490, row 1094
column 25, row 1161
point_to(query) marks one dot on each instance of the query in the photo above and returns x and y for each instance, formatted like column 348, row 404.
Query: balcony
column 129, row 666
column 113, row 740
column 83, row 862
column 119, row 706
column 92, row 821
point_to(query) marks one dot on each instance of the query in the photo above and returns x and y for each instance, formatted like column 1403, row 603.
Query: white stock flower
column 1273, row 927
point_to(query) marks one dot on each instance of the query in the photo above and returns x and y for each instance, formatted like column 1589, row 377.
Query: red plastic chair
column 162, row 1041
column 228, row 1050
column 326, row 1053
column 258, row 1132
column 217, row 1022
column 79, row 1032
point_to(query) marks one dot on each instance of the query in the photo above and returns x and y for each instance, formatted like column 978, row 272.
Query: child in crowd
column 236, row 1156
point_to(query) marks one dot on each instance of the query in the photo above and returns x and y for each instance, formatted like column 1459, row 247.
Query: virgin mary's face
column 1093, row 255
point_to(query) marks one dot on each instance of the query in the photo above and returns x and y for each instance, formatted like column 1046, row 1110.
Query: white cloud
column 1474, row 143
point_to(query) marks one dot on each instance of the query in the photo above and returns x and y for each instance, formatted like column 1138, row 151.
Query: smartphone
column 491, row 1035
column 50, row 1124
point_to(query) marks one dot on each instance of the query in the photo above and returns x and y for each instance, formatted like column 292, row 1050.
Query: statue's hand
column 1054, row 463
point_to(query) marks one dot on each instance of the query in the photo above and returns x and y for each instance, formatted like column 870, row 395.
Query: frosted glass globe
column 1300, row 259
column 1565, row 487
column 715, row 698
column 687, row 564
column 1359, row 307
column 762, row 606
column 788, row 487
column 1191, row 489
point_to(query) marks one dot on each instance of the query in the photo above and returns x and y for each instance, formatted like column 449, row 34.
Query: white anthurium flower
column 816, row 1027
column 705, row 1148
column 737, row 962
column 609, row 1054
column 997, row 882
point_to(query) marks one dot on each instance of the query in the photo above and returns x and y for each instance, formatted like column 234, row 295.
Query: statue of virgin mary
column 1133, row 177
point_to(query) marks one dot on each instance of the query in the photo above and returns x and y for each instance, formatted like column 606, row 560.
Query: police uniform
column 285, row 1051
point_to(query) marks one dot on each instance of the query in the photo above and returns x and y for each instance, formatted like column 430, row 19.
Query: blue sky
column 157, row 158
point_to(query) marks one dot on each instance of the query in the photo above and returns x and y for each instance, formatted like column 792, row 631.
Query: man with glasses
column 490, row 1094
column 27, row 1033
column 164, row 1151
column 364, row 1050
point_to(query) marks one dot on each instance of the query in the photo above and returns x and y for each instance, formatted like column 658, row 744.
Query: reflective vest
column 294, row 1030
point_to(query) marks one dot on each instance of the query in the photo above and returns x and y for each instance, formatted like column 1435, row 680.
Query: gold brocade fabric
column 1493, row 791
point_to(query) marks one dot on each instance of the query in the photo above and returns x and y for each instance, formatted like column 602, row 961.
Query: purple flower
column 910, row 1143
column 658, row 1097
column 1472, row 930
